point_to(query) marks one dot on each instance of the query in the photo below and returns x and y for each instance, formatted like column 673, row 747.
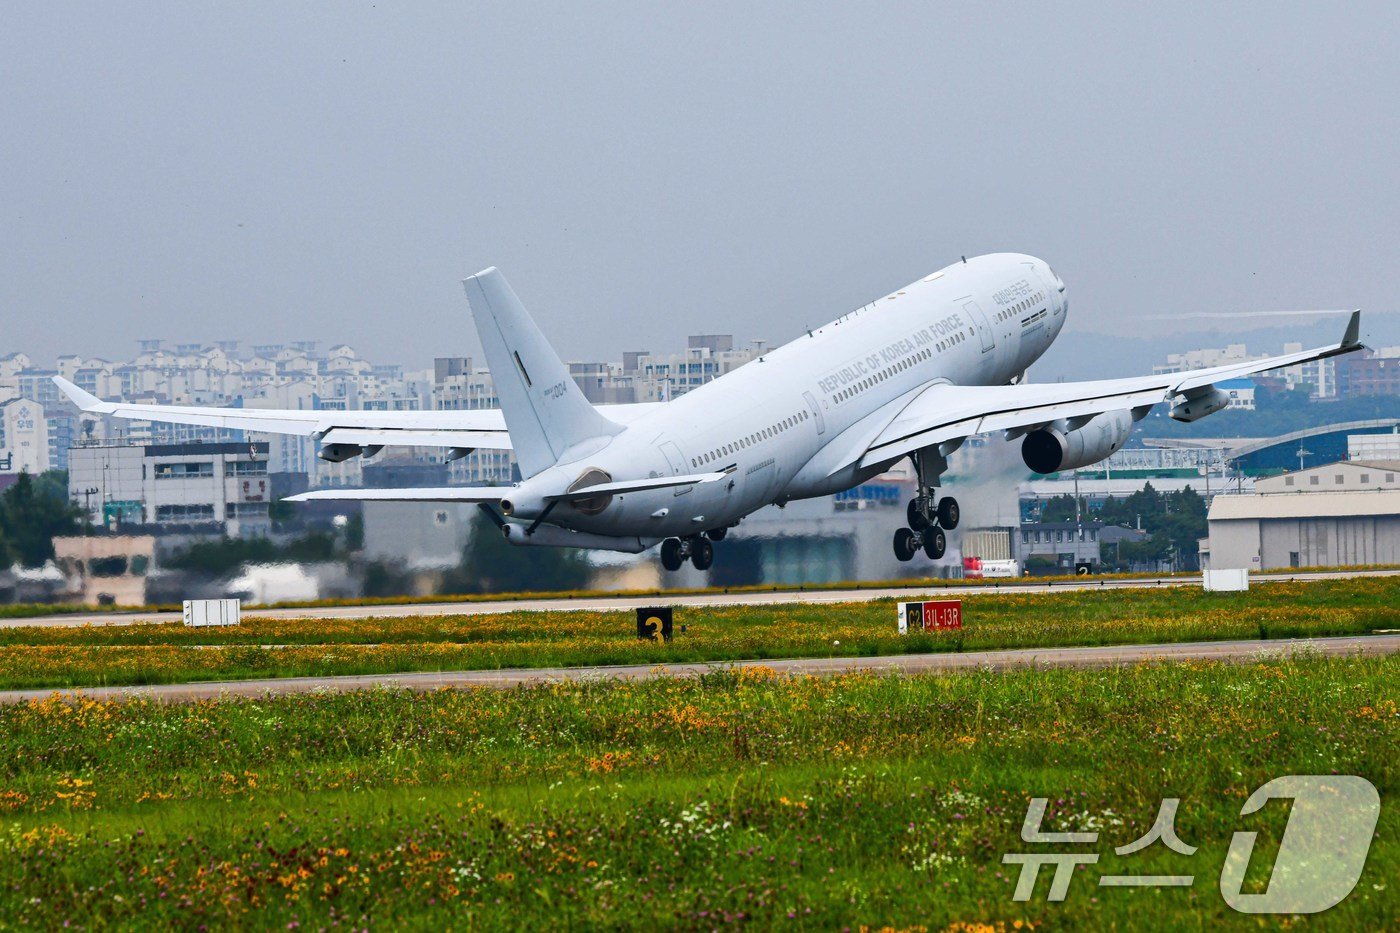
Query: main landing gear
column 695, row 548
column 927, row 525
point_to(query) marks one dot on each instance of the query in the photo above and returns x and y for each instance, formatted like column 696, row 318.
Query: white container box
column 204, row 612
column 1226, row 581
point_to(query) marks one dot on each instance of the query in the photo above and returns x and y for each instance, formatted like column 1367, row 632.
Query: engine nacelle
column 522, row 503
column 1050, row 450
column 337, row 453
column 1204, row 402
column 554, row 536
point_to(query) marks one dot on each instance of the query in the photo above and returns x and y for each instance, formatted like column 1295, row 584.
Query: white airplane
column 912, row 374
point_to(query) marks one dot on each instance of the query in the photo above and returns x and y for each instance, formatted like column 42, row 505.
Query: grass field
column 39, row 657
column 40, row 610
column 794, row 803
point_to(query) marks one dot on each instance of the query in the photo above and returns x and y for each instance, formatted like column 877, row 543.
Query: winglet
column 1352, row 338
column 84, row 400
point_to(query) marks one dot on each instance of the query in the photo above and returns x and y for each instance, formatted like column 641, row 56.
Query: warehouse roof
column 1306, row 505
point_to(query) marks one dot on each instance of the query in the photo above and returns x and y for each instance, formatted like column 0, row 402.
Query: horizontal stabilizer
column 410, row 437
column 425, row 494
column 497, row 493
column 636, row 485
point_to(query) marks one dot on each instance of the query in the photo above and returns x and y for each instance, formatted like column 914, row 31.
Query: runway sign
column 654, row 622
column 205, row 612
column 1225, row 581
column 930, row 616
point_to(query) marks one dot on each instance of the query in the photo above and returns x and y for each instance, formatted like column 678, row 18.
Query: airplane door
column 816, row 411
column 984, row 328
column 677, row 462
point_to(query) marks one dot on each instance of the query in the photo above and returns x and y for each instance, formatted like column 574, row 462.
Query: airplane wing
column 475, row 429
column 496, row 493
column 947, row 414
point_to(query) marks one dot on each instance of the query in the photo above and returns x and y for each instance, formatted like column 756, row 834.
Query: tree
column 1061, row 509
column 225, row 555
column 1146, row 505
column 355, row 532
column 1184, row 525
column 1174, row 521
column 32, row 512
column 490, row 565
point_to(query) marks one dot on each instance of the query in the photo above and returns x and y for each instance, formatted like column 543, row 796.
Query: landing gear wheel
column 717, row 534
column 905, row 544
column 918, row 518
column 948, row 512
column 935, row 543
column 671, row 557
column 702, row 553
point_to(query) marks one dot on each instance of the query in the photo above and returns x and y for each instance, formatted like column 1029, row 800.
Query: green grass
column 41, row 657
column 795, row 803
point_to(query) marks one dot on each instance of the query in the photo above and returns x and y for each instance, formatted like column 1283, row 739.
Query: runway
column 606, row 603
column 1023, row 658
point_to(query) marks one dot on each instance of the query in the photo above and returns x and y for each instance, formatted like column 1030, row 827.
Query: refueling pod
column 554, row 536
column 338, row 453
column 1055, row 448
column 1199, row 403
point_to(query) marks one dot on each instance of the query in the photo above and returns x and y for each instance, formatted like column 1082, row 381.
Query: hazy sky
column 272, row 172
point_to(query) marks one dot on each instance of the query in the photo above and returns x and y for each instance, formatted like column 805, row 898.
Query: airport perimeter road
column 1102, row 656
column 614, row 603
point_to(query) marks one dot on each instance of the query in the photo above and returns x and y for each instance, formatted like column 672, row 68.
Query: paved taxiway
column 1099, row 656
column 616, row 603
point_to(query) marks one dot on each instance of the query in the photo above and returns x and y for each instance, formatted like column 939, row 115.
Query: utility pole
column 1076, row 500
column 87, row 507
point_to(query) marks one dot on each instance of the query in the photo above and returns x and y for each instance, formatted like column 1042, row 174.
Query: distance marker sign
column 930, row 616
column 654, row 622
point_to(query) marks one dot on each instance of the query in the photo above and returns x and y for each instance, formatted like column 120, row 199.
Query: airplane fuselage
column 784, row 425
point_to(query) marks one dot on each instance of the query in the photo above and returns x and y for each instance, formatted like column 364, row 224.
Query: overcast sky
column 273, row 172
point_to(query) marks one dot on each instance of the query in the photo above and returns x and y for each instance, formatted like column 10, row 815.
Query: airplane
column 913, row 374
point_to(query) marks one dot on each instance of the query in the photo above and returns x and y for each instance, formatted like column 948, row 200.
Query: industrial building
column 1338, row 515
column 222, row 485
column 1067, row 547
column 24, row 437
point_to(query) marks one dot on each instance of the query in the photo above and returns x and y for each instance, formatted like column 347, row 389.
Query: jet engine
column 338, row 453
column 1055, row 448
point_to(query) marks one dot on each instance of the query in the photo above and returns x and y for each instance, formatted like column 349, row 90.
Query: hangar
column 1338, row 515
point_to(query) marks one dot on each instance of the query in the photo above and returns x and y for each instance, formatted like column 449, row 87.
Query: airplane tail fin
column 544, row 409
